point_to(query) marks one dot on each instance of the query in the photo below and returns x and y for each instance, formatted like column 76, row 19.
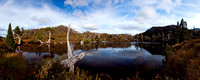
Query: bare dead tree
column 71, row 60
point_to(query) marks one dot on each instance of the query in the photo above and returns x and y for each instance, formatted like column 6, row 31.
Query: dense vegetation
column 184, row 62
column 14, row 66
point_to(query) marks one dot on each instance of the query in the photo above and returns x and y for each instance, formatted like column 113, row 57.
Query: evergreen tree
column 10, row 43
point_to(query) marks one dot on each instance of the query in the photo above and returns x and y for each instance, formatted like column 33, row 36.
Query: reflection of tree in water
column 60, row 49
column 19, row 49
column 152, row 47
column 89, row 46
column 49, row 55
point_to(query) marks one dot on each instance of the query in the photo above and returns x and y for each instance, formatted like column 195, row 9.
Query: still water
column 119, row 60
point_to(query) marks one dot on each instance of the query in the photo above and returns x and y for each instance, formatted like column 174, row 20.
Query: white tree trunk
column 49, row 41
column 19, row 41
column 69, row 51
column 19, row 38
column 71, row 60
column 40, row 41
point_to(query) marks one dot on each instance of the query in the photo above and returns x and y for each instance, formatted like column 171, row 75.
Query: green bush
column 86, row 40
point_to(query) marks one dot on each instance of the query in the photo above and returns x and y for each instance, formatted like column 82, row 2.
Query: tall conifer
column 10, row 42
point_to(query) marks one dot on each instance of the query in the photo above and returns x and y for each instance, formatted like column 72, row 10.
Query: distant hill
column 60, row 33
column 197, row 29
column 170, row 33
column 1, row 38
column 158, row 33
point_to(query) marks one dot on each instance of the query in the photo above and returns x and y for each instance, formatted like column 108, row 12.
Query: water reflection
column 113, row 58
column 105, row 56
column 122, row 60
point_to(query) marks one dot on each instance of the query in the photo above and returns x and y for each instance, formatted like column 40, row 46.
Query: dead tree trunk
column 19, row 38
column 71, row 60
column 49, row 41
column 40, row 41
column 69, row 51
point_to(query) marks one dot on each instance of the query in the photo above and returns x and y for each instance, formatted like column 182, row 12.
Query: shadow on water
column 120, row 60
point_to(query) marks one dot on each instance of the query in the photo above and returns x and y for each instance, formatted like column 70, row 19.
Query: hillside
column 197, row 29
column 164, row 33
column 185, row 60
column 60, row 32
column 171, row 34
column 1, row 38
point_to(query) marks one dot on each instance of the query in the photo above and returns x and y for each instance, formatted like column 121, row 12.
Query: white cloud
column 77, row 3
column 142, row 3
column 90, row 27
column 80, row 14
column 102, row 3
column 2, row 29
column 131, row 27
column 168, row 5
column 145, row 13
column 41, row 20
column 115, row 1
column 193, row 21
column 98, row 1
column 3, row 33
column 30, row 16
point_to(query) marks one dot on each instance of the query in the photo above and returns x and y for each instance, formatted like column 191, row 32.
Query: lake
column 119, row 59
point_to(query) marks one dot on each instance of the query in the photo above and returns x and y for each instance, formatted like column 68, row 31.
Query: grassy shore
column 184, row 62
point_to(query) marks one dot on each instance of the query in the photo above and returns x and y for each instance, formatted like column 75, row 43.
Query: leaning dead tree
column 49, row 30
column 18, row 34
column 71, row 60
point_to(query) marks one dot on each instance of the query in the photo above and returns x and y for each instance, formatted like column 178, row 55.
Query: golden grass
column 8, row 55
column 13, row 66
column 182, row 62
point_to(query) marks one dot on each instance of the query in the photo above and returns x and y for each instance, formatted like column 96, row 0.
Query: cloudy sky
column 103, row 16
